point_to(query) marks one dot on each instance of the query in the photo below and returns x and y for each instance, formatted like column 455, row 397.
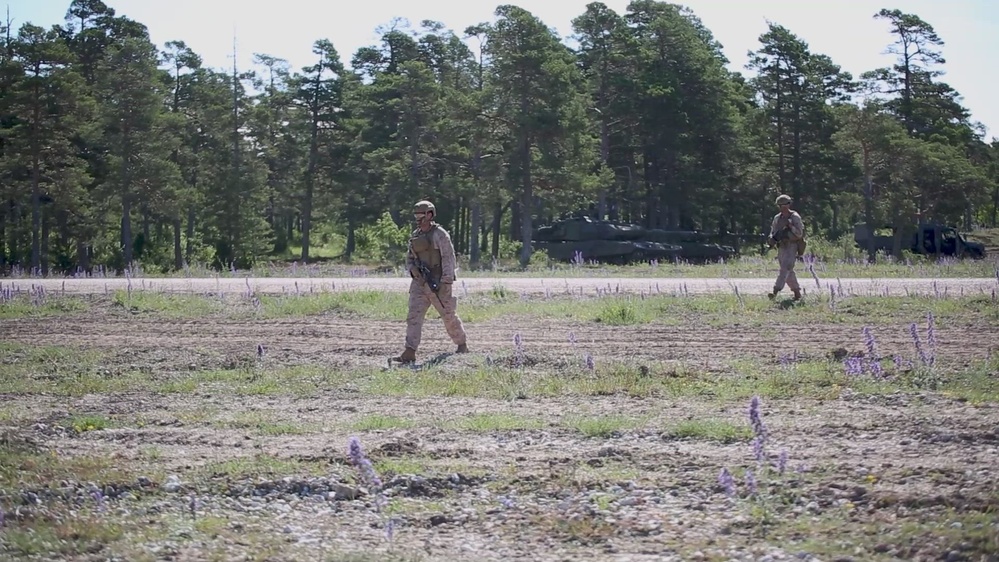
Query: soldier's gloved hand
column 447, row 279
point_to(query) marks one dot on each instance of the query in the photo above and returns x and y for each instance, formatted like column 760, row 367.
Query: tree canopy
column 115, row 152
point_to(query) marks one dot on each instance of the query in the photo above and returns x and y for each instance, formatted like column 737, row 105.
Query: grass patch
column 603, row 426
column 972, row 533
column 611, row 309
column 83, row 424
column 26, row 306
column 80, row 534
column 168, row 305
column 494, row 422
column 262, row 423
column 72, row 373
column 262, row 465
column 365, row 304
column 377, row 422
column 22, row 465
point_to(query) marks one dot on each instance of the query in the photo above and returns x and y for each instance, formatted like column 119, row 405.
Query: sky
column 845, row 30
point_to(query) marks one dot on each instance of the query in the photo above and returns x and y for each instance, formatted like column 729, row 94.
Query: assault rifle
column 780, row 236
column 428, row 277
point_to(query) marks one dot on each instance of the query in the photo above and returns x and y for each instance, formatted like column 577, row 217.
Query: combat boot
column 462, row 348
column 773, row 294
column 797, row 294
column 408, row 356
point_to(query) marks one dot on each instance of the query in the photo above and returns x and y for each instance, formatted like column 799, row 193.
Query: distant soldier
column 787, row 232
column 430, row 251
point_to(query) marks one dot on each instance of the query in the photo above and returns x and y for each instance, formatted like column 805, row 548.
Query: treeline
column 114, row 151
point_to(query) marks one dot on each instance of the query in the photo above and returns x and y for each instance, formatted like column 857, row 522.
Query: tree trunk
column 36, row 198
column 497, row 220
column 15, row 250
column 900, row 230
column 351, row 245
column 189, row 249
column 869, row 208
column 310, row 179
column 45, row 245
column 306, row 221
column 3, row 243
column 605, row 158
column 82, row 255
column 459, row 226
column 178, row 254
column 126, row 231
column 515, row 219
column 475, row 223
column 526, row 200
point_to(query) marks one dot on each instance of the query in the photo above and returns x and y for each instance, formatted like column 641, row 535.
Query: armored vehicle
column 587, row 239
column 925, row 239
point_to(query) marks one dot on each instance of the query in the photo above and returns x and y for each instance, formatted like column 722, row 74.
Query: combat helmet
column 783, row 199
column 424, row 206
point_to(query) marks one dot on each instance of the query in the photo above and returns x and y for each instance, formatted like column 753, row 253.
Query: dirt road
column 523, row 285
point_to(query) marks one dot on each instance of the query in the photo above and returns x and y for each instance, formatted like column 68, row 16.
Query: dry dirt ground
column 247, row 465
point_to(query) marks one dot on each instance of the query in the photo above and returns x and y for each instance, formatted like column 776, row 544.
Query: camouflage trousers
column 420, row 300
column 787, row 256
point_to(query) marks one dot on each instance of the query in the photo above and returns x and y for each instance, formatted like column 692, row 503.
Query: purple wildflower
column 758, row 451
column 518, row 343
column 872, row 348
column 782, row 461
column 811, row 269
column 931, row 331
column 755, row 419
column 751, row 482
column 926, row 359
column 363, row 465
column 590, row 363
column 390, row 529
column 726, row 481
column 853, row 366
column 95, row 493
column 875, row 368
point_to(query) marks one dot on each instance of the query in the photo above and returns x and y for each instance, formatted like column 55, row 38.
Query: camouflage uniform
column 434, row 249
column 788, row 248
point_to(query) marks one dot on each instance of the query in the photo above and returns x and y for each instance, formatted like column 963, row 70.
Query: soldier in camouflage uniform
column 787, row 232
column 431, row 245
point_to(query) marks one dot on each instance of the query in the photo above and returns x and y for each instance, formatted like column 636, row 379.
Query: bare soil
column 906, row 476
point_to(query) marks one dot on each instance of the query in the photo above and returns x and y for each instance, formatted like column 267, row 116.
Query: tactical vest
column 422, row 244
column 800, row 245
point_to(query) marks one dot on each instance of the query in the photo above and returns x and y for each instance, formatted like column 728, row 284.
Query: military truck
column 587, row 239
column 924, row 239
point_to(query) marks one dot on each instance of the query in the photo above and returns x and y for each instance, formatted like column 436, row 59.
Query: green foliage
column 119, row 156
column 383, row 241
